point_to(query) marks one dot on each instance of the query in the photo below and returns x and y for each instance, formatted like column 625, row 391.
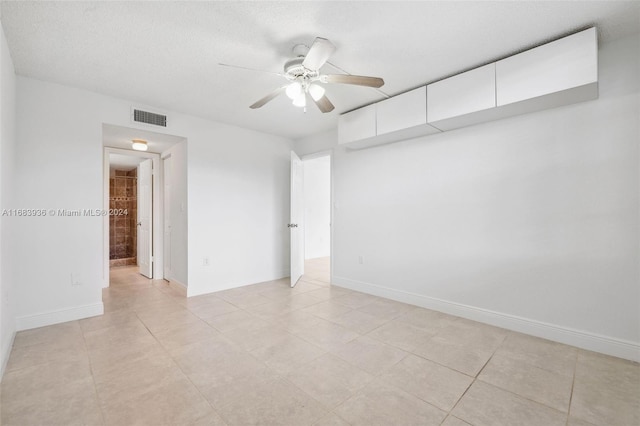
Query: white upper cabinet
column 558, row 73
column 402, row 111
column 570, row 62
column 451, row 101
column 357, row 125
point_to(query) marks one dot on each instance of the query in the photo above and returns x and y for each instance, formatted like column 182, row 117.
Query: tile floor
column 312, row 355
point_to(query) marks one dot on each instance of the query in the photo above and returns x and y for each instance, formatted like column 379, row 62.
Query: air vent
column 149, row 118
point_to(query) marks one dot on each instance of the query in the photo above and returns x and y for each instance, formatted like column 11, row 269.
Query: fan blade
column 251, row 69
column 318, row 54
column 268, row 98
column 324, row 104
column 358, row 80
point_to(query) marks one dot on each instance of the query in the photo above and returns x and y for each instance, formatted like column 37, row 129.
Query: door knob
column 292, row 225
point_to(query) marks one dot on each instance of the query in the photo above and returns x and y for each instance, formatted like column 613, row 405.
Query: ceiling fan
column 303, row 74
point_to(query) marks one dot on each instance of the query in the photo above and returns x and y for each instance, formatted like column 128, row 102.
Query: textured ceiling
column 166, row 54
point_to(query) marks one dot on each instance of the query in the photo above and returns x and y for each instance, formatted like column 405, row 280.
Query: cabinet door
column 357, row 125
column 560, row 65
column 402, row 111
column 462, row 94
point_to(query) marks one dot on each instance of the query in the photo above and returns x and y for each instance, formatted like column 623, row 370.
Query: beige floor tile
column 157, row 321
column 302, row 300
column 47, row 352
column 463, row 346
column 428, row 320
column 304, row 287
column 327, row 310
column 258, row 337
column 331, row 419
column 121, row 318
column 386, row 309
column 170, row 400
column 161, row 358
column 606, row 390
column 401, row 335
column 185, row 334
column 65, row 333
column 360, row 322
column 274, row 402
column 119, row 359
column 541, row 353
column 216, row 362
column 325, row 334
column 279, row 293
column 577, row 422
column 431, row 382
column 136, row 379
column 287, row 354
column 271, row 309
column 355, row 300
column 380, row 405
column 370, row 355
column 529, row 381
column 72, row 403
column 109, row 337
column 54, row 393
column 234, row 320
column 212, row 419
column 454, row 421
column 327, row 293
column 243, row 299
column 487, row 405
column 225, row 392
column 329, row 380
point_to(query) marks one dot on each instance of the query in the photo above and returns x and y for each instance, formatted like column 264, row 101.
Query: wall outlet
column 205, row 261
column 361, row 259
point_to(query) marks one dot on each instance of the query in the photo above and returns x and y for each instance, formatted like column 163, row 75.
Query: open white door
column 167, row 218
column 296, row 222
column 145, row 200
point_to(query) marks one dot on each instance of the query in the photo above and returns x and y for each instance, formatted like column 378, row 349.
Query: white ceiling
column 123, row 162
column 166, row 54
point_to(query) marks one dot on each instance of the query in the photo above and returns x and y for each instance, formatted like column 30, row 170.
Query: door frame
column 327, row 153
column 157, row 210
column 166, row 273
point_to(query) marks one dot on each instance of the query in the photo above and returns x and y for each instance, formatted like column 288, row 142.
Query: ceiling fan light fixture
column 294, row 90
column 139, row 144
column 316, row 92
column 300, row 100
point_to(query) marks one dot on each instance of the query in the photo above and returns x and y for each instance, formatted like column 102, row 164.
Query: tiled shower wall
column 122, row 227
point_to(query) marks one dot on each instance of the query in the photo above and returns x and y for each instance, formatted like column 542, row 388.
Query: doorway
column 123, row 218
column 143, row 231
column 317, row 217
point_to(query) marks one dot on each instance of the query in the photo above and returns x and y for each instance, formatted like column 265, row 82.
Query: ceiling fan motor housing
column 293, row 69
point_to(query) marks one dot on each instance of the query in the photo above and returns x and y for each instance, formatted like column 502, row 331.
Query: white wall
column 7, row 144
column 317, row 207
column 178, row 213
column 238, row 199
column 238, row 208
column 530, row 223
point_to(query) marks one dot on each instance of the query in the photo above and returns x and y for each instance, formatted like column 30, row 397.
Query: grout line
column 573, row 383
column 93, row 377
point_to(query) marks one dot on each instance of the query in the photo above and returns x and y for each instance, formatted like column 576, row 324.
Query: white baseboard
column 229, row 285
column 178, row 286
column 28, row 322
column 585, row 340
